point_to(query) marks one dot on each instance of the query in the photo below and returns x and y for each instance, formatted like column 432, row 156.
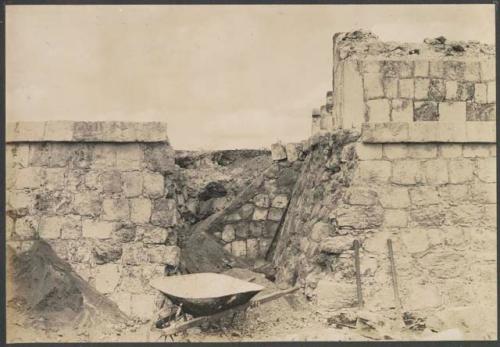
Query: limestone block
column 474, row 150
column 29, row 178
column 492, row 93
column 87, row 203
column 143, row 306
column 66, row 227
column 104, row 156
column 407, row 172
column 395, row 150
column 164, row 213
column 58, row 131
column 464, row 215
column 396, row 218
column 422, row 151
column 481, row 93
column 260, row 214
column 228, row 233
column 111, row 181
column 450, row 150
column 134, row 254
column 436, row 171
column 424, row 195
column 454, row 193
column 385, row 132
column 452, row 111
column 361, row 196
column 9, row 227
column 427, row 216
column 451, row 90
column 256, row 229
column 360, row 217
column 436, row 68
column 337, row 244
column 493, row 150
column 377, row 243
column 485, row 193
column 20, row 201
column 17, row 155
column 368, row 151
column 159, row 157
column 132, row 184
column 228, row 248
column 406, row 88
column 393, row 197
column 321, row 230
column 465, row 91
column 264, row 245
column 335, row 294
column 54, row 179
column 25, row 131
column 151, row 132
column 421, row 68
column 107, row 277
column 239, row 248
column 378, row 110
column 278, row 151
column 426, row 111
column 168, row 255
column 291, row 152
column 246, row 211
column 241, row 230
column 275, row 214
column 402, row 110
column 25, row 228
column 390, row 86
column 140, row 210
column 280, row 201
column 373, row 171
column 97, row 229
column 373, row 85
column 369, row 65
column 129, row 156
column 115, row 210
column 486, row 170
column 39, row 154
column 153, row 184
column 252, row 248
column 489, row 217
column 261, row 200
column 421, row 90
column 488, row 70
column 481, row 131
column 472, row 70
column 460, row 170
column 453, row 69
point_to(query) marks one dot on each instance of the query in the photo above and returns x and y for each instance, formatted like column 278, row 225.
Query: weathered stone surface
column 422, row 151
column 132, row 184
column 385, row 132
column 406, row 88
column 436, row 171
column 129, row 156
column 484, row 193
column 378, row 110
column 480, row 93
column 321, row 230
column 264, row 245
column 168, row 255
column 106, row 252
column 134, row 254
column 239, row 248
column 393, row 197
column 396, row 218
column 140, row 210
column 486, row 170
column 428, row 216
column 39, row 154
column 426, row 111
column 111, row 182
column 452, row 111
column 360, row 217
column 429, row 292
column 275, row 214
column 260, row 214
column 335, row 294
column 278, row 151
column 292, row 153
column 368, row 151
column 461, row 170
column 475, row 150
column 28, row 178
column 280, row 201
column 402, row 110
column 395, row 151
column 153, row 184
column 154, row 235
column 261, row 200
column 421, row 68
column 480, row 112
column 444, row 264
column 25, row 228
column 373, row 171
column 361, row 196
column 125, row 233
column 228, row 234
column 212, row 190
column 454, row 193
column 450, row 150
column 484, row 131
column 252, row 248
column 422, row 88
column 451, row 90
column 246, row 211
column 164, row 213
column 142, row 306
column 492, row 93
column 107, row 277
column 373, row 85
column 337, row 244
column 67, row 227
column 159, row 158
column 115, row 209
column 270, row 228
column 97, row 229
column 407, row 172
column 424, row 195
column 390, row 85
column 241, row 230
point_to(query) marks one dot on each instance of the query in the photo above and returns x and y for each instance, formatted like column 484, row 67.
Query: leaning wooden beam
column 179, row 327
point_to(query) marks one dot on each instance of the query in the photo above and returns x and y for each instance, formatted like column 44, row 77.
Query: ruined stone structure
column 101, row 194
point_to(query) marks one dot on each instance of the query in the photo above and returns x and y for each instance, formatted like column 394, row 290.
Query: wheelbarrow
column 209, row 297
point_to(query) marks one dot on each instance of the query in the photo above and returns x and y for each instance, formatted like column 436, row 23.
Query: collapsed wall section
column 102, row 195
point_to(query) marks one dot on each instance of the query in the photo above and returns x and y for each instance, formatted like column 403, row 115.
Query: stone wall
column 102, row 195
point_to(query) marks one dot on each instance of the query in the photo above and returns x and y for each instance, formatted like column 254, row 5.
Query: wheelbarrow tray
column 204, row 294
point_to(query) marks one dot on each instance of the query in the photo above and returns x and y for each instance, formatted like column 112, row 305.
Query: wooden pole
column 394, row 275
column 358, row 274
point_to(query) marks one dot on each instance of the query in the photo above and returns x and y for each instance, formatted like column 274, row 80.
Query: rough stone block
column 275, row 214
column 465, row 91
column 460, row 170
column 436, row 171
column 337, row 244
column 54, row 179
column 25, row 228
column 361, row 196
column 491, row 97
column 393, row 197
column 373, row 171
column 484, row 193
column 228, row 234
column 292, row 153
column 115, row 210
column 140, row 210
column 25, row 131
column 151, row 132
column 104, row 156
column 452, row 111
column 260, row 214
column 402, row 110
column 134, row 254
column 321, row 230
column 454, row 70
column 395, row 150
column 481, row 93
column 406, row 88
column 261, row 200
column 390, row 86
column 143, row 306
column 472, row 70
column 239, row 248
column 396, row 218
column 473, row 150
column 373, row 85
column 360, row 217
column 451, row 90
column 436, row 68
column 107, row 278
column 378, row 110
column 167, row 255
column 481, row 132
column 422, row 151
column 493, row 149
column 256, row 229
column 407, row 172
column 87, row 203
column 129, row 156
column 369, row 66
column 39, row 154
column 164, row 213
column 450, row 150
column 252, row 248
column 159, row 157
column 425, row 195
column 280, row 201
column 385, row 132
column 488, row 70
column 242, row 230
column 153, row 184
column 480, row 112
column 264, row 245
column 421, row 68
column 486, row 170
column 29, row 178
column 228, row 248
column 58, row 131
column 464, row 215
column 426, row 111
column 17, row 155
column 67, row 227
column 246, row 211
column 368, row 151
column 97, row 229
column 278, row 151
column 454, row 192
column 132, row 184
column 421, row 91
column 111, row 182
column 428, row 216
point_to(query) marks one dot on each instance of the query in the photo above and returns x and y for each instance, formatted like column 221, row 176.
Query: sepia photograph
column 250, row 173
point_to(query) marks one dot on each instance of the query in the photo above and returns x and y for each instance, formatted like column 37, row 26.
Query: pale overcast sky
column 221, row 76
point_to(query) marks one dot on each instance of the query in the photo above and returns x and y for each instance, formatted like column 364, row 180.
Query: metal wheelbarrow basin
column 203, row 294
